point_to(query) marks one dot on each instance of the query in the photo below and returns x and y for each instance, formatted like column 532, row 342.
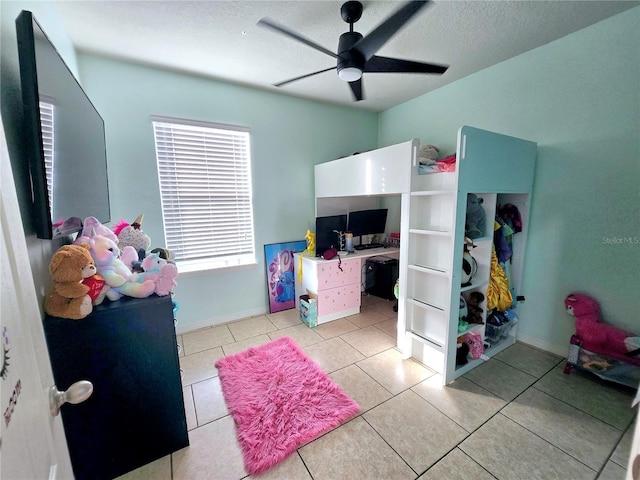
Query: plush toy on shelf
column 475, row 220
column 116, row 274
column 132, row 235
column 474, row 311
column 70, row 296
column 600, row 337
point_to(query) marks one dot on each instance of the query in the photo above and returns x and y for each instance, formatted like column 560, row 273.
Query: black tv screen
column 326, row 236
column 367, row 222
column 65, row 138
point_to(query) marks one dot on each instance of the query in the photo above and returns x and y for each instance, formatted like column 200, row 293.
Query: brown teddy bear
column 69, row 296
column 474, row 311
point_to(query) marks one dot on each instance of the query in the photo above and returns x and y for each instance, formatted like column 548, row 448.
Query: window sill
column 192, row 268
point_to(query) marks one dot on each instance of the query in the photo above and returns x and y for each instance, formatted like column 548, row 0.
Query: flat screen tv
column 367, row 222
column 326, row 236
column 65, row 138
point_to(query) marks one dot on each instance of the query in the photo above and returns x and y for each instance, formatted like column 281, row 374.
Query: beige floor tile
column 157, row 470
column 291, row 468
column 250, row 327
column 301, row 334
column 367, row 317
column 367, row 300
column 385, row 307
column 564, row 426
column 200, row 366
column 189, row 408
column 206, row 339
column 499, row 378
column 456, row 466
column 612, row 471
column 369, row 340
column 464, row 402
column 528, row 359
column 213, row 454
column 607, row 402
column 353, row 451
column 285, row 318
column 509, row 451
column 360, row 386
column 237, row 347
column 393, row 373
column 623, row 450
column 208, row 400
column 390, row 327
column 333, row 354
column 415, row 429
column 335, row 328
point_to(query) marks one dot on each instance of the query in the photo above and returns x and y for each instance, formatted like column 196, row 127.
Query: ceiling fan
column 356, row 54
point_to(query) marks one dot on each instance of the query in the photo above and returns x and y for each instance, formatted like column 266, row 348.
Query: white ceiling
column 220, row 39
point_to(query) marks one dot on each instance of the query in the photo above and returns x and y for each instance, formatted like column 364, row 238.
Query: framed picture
column 280, row 276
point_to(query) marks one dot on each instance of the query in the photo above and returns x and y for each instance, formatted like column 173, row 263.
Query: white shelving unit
column 489, row 165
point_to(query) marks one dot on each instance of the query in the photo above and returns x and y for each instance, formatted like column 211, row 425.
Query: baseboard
column 542, row 345
column 212, row 322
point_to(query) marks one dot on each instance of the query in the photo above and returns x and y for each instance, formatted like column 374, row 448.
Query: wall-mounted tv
column 65, row 138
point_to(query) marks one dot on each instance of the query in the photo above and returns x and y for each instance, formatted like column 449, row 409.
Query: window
column 205, row 186
column 46, row 126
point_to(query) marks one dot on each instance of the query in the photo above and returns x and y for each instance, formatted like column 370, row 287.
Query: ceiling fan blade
column 397, row 65
column 370, row 44
column 268, row 23
column 303, row 76
column 356, row 90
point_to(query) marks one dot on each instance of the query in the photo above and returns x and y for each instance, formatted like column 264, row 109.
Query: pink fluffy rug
column 280, row 399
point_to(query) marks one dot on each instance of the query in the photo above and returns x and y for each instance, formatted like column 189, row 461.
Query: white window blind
column 205, row 184
column 46, row 126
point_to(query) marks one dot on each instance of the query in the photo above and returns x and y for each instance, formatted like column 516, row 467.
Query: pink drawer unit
column 330, row 276
column 338, row 299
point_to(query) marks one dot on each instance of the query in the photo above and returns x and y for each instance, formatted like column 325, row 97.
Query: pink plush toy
column 160, row 271
column 600, row 337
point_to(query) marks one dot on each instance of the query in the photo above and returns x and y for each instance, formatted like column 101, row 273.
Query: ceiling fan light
column 350, row 74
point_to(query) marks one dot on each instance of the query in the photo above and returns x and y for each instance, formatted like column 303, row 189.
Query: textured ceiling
column 220, row 39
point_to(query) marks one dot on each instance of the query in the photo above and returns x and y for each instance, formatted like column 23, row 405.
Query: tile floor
column 517, row 416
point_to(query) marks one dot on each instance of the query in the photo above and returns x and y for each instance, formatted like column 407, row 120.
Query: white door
column 32, row 442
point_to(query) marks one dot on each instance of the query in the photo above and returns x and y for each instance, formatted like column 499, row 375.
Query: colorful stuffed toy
column 600, row 337
column 116, row 274
column 68, row 296
column 158, row 270
column 132, row 235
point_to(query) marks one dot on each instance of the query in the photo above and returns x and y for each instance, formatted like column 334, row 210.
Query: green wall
column 579, row 99
column 288, row 137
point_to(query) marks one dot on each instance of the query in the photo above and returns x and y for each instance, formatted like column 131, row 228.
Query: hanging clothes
column 498, row 293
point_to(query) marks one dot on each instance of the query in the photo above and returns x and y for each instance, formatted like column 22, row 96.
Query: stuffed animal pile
column 600, row 337
column 97, row 267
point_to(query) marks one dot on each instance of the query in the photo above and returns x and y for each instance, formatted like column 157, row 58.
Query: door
column 32, row 442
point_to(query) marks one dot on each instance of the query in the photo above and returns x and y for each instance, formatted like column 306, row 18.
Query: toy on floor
column 598, row 336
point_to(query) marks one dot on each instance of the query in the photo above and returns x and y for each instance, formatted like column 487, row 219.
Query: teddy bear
column 160, row 271
column 474, row 311
column 68, row 296
column 116, row 274
column 597, row 336
column 475, row 221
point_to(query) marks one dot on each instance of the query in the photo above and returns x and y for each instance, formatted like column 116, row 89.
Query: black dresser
column 127, row 349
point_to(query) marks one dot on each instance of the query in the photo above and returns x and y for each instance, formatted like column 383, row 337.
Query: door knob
column 76, row 393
